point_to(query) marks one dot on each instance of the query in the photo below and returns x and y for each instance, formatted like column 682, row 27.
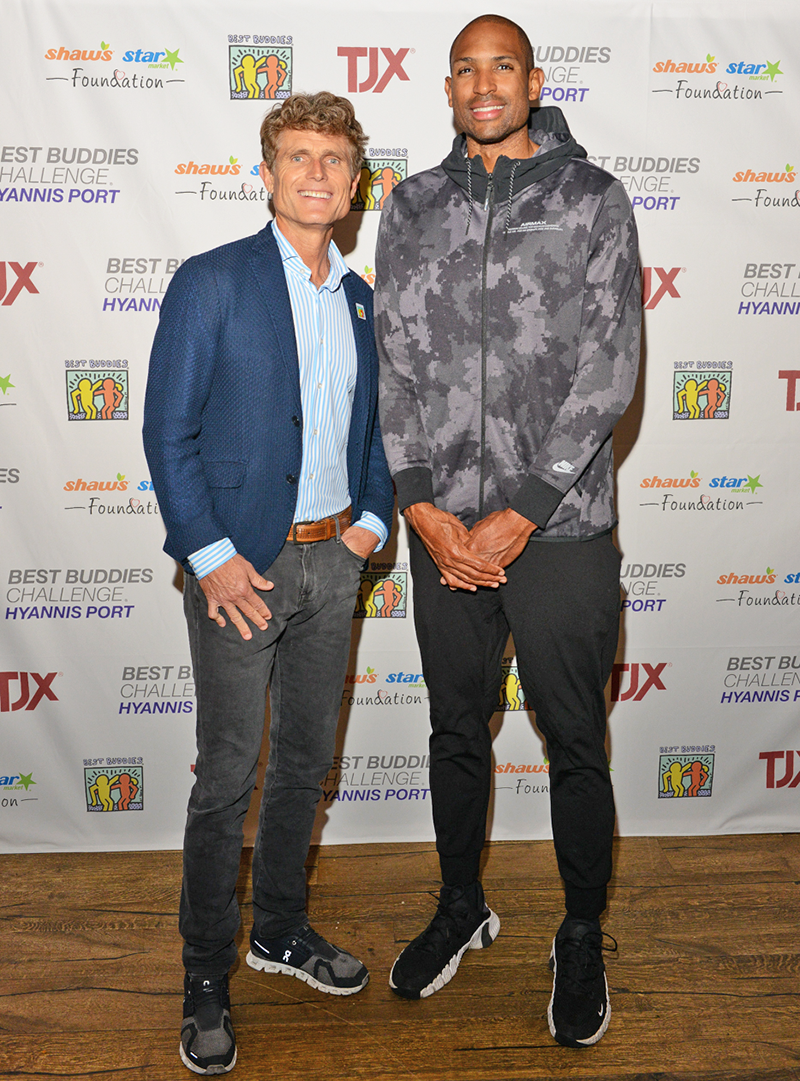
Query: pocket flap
column 225, row 474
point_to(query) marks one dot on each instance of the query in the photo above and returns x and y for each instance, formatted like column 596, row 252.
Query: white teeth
column 317, row 194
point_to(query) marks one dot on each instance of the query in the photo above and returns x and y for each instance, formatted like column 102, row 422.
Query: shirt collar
column 293, row 263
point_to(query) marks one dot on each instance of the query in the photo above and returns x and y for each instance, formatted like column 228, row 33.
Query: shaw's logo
column 648, row 675
column 748, row 579
column 79, row 485
column 370, row 676
column 689, row 67
column 692, row 481
column 394, row 66
column 25, row 700
column 23, row 276
column 665, row 286
column 105, row 52
column 189, row 167
column 790, row 778
column 749, row 177
column 742, row 67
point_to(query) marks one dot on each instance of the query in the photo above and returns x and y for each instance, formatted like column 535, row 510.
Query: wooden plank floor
column 706, row 983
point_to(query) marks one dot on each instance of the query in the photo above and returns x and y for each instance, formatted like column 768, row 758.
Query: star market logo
column 154, row 58
column 6, row 384
column 17, row 781
column 737, row 484
column 755, row 71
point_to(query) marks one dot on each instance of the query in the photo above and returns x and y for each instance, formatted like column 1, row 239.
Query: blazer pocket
column 225, row 474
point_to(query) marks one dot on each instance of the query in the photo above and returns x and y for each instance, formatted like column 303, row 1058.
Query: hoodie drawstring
column 469, row 192
column 510, row 193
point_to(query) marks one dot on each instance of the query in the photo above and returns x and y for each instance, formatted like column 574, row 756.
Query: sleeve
column 607, row 362
column 404, row 440
column 178, row 386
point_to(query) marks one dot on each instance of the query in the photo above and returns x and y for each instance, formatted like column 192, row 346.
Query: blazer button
column 291, row 478
column 296, row 421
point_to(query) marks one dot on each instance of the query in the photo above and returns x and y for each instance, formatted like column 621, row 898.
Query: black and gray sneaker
column 308, row 956
column 463, row 921
column 579, row 1009
column 208, row 1044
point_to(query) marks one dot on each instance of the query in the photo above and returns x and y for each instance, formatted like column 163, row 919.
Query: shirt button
column 316, row 430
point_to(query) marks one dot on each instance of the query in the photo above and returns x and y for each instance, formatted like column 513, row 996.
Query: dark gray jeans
column 303, row 657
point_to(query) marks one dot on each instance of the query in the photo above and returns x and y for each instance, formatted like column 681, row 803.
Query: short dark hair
column 322, row 112
column 524, row 40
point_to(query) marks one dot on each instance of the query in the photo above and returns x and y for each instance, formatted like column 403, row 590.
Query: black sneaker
column 579, row 1009
column 463, row 921
column 208, row 1044
column 307, row 955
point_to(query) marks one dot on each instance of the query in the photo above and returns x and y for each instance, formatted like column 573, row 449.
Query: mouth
column 487, row 110
column 310, row 194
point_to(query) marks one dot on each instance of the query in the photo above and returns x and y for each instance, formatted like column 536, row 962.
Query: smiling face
column 310, row 180
column 490, row 88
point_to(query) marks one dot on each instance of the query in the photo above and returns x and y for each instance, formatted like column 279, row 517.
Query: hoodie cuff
column 414, row 485
column 536, row 500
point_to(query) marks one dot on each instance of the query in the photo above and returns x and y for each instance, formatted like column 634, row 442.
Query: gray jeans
column 303, row 656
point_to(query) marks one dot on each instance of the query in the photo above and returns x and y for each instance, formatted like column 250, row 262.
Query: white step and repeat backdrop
column 130, row 142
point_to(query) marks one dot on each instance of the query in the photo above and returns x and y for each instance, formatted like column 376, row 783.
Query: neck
column 311, row 244
column 516, row 145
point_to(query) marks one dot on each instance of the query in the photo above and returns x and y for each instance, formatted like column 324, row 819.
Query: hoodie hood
column 547, row 127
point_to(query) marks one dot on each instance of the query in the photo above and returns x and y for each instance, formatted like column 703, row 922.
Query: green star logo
column 773, row 70
column 5, row 383
column 173, row 59
column 753, row 483
column 26, row 780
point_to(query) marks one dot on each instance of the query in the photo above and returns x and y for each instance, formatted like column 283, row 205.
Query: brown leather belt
column 306, row 532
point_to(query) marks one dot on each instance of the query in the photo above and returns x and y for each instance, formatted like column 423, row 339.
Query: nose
column 485, row 82
column 316, row 168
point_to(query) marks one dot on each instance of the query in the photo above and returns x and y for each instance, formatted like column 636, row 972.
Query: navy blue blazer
column 223, row 420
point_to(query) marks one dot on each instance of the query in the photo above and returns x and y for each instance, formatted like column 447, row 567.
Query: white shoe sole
column 551, row 1023
column 211, row 1070
column 260, row 964
column 489, row 928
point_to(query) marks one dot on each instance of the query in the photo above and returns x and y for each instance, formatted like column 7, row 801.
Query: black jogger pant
column 561, row 603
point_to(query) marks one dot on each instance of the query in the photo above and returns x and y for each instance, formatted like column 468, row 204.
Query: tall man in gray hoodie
column 508, row 314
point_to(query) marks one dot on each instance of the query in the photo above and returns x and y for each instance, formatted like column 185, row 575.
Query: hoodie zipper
column 488, row 205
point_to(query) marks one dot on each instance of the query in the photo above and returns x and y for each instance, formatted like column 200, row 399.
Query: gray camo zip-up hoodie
column 507, row 313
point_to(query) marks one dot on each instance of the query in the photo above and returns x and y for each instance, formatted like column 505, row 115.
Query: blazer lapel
column 267, row 270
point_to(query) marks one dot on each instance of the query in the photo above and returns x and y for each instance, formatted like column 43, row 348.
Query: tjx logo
column 791, row 378
column 789, row 778
column 634, row 691
column 42, row 690
column 23, row 281
column 394, row 62
column 665, row 287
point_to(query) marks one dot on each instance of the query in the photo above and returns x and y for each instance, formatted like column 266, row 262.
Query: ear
column 354, row 185
column 448, row 89
column 535, row 83
column 266, row 177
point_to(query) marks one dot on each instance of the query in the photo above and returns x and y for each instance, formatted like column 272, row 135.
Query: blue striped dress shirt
column 326, row 351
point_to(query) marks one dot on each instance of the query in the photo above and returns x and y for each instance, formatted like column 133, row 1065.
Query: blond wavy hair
column 322, row 112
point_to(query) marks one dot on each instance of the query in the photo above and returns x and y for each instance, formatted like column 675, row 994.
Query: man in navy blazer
column 262, row 436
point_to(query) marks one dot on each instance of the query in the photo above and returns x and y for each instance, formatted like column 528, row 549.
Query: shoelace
column 580, row 963
column 441, row 927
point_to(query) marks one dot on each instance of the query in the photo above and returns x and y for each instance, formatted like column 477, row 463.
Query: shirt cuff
column 205, row 560
column 373, row 523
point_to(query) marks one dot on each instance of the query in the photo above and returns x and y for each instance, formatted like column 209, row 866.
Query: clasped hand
column 475, row 557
